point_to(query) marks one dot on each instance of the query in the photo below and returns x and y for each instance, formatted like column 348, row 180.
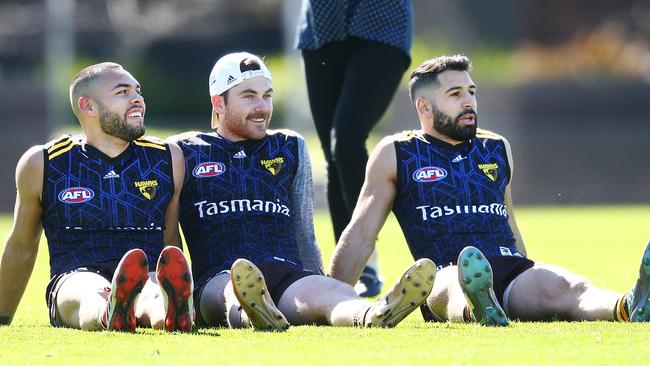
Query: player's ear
column 218, row 109
column 424, row 106
column 86, row 105
column 218, row 103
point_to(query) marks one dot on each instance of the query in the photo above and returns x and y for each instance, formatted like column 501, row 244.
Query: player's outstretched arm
column 172, row 235
column 22, row 245
column 375, row 202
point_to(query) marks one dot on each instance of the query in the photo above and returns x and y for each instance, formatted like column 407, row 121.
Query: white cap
column 226, row 73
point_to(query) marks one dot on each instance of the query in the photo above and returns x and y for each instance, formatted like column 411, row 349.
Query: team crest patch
column 148, row 188
column 491, row 170
column 274, row 165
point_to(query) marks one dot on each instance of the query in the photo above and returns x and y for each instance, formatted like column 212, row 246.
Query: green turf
column 602, row 243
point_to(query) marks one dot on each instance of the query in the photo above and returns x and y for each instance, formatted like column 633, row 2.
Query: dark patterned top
column 238, row 202
column 385, row 21
column 96, row 208
column 452, row 196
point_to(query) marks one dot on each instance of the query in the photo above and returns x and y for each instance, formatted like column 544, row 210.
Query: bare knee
column 338, row 287
column 560, row 294
column 81, row 300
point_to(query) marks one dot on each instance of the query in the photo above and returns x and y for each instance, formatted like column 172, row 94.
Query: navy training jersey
column 235, row 201
column 451, row 196
column 96, row 208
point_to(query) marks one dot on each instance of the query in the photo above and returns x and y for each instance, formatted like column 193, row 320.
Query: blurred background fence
column 567, row 82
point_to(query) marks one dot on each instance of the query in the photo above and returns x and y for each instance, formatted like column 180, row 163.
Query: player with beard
column 246, row 210
column 108, row 203
column 448, row 185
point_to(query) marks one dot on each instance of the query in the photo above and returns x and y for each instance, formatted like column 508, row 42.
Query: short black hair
column 427, row 73
column 80, row 82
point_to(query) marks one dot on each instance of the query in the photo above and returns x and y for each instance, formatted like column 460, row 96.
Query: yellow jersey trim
column 58, row 144
column 148, row 143
column 488, row 135
column 59, row 152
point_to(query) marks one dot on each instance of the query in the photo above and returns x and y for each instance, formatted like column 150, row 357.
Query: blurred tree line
column 170, row 45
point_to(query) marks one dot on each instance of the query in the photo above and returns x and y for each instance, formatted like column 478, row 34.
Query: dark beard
column 449, row 127
column 115, row 125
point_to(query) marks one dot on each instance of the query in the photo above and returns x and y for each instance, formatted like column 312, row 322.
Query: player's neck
column 109, row 145
column 432, row 132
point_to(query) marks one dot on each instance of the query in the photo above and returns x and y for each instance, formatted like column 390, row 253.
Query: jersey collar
column 463, row 146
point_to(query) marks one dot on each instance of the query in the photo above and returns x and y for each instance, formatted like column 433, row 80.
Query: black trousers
column 350, row 85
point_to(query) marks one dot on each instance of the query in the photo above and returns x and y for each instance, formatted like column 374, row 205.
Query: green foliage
column 603, row 243
column 493, row 64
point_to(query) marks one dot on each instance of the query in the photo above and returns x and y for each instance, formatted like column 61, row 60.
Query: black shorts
column 278, row 275
column 504, row 270
column 105, row 270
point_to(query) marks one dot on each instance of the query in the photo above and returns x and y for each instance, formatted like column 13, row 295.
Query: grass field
column 602, row 243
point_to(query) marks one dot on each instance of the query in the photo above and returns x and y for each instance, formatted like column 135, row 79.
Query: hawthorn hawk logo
column 491, row 170
column 147, row 188
column 273, row 165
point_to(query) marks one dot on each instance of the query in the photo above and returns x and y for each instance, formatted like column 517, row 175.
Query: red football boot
column 175, row 281
column 129, row 278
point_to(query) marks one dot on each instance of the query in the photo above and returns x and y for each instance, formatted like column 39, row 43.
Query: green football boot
column 475, row 277
column 639, row 309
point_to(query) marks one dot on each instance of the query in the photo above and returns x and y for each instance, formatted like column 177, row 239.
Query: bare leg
column 150, row 307
column 322, row 300
column 544, row 292
column 213, row 301
column 447, row 301
column 81, row 300
column 219, row 304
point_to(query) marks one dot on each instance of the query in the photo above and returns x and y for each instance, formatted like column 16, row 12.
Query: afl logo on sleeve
column 429, row 174
column 208, row 169
column 76, row 195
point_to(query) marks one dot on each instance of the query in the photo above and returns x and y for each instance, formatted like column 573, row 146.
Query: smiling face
column 246, row 111
column 120, row 104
